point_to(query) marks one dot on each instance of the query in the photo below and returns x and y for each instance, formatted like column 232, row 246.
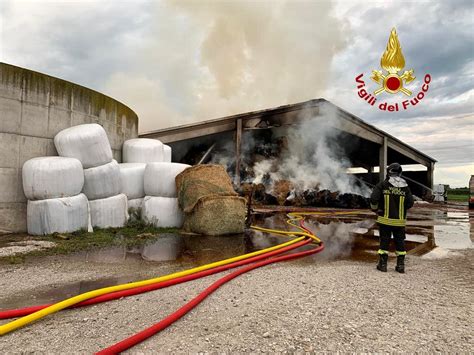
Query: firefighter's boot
column 382, row 265
column 400, row 264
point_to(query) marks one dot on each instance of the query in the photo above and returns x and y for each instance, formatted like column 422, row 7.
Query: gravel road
column 298, row 306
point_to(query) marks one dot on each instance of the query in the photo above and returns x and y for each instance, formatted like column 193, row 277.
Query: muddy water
column 346, row 237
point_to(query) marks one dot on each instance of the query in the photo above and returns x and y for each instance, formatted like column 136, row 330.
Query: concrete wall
column 33, row 108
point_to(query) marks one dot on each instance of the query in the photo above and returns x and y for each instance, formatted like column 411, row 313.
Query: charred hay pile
column 261, row 156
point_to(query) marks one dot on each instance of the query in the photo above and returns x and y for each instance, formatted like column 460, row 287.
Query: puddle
column 454, row 237
column 430, row 233
column 175, row 248
column 57, row 293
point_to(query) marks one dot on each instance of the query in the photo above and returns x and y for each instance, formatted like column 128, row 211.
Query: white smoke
column 338, row 238
column 315, row 157
column 208, row 59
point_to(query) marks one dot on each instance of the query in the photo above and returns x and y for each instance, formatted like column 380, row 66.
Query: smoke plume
column 315, row 157
column 208, row 59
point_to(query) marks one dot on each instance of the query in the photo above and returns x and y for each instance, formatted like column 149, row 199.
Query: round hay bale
column 86, row 142
column 142, row 150
column 167, row 153
column 111, row 212
column 202, row 180
column 162, row 212
column 102, row 181
column 52, row 177
column 160, row 178
column 131, row 179
column 58, row 215
column 217, row 215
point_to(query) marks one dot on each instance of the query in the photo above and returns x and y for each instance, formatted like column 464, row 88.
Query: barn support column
column 429, row 175
column 383, row 160
column 238, row 143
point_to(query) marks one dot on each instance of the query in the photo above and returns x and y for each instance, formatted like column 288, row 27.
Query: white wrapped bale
column 52, row 177
column 142, row 150
column 162, row 212
column 102, row 181
column 111, row 212
column 160, row 178
column 167, row 153
column 131, row 177
column 58, row 215
column 86, row 142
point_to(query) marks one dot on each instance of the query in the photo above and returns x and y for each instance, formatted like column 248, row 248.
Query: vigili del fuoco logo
column 391, row 80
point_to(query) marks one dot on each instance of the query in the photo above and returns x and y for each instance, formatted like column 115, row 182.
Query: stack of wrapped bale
column 53, row 187
column 136, row 154
column 210, row 204
column 160, row 206
column 89, row 144
column 167, row 153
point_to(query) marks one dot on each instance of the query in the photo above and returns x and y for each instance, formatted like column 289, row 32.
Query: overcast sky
column 176, row 62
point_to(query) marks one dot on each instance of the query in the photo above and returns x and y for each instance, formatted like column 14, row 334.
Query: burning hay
column 301, row 165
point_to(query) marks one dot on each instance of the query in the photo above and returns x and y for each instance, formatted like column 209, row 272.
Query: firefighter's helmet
column 394, row 169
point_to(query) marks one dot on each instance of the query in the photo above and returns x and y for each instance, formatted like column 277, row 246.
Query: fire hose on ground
column 253, row 260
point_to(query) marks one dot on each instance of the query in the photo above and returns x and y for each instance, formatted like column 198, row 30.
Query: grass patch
column 456, row 197
column 133, row 234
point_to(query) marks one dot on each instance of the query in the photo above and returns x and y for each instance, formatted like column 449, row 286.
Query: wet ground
column 433, row 231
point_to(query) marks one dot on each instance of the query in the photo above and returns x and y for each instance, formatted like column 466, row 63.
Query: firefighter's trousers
column 398, row 237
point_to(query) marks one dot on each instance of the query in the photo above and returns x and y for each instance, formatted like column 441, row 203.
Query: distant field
column 452, row 197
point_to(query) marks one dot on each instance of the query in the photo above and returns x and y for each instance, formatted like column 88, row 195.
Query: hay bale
column 281, row 190
column 217, row 215
column 202, row 181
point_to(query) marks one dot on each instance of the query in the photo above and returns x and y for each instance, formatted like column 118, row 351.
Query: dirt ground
column 300, row 306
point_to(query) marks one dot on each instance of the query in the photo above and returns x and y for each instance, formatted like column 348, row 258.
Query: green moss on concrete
column 36, row 83
column 134, row 234
column 10, row 75
column 61, row 93
column 85, row 100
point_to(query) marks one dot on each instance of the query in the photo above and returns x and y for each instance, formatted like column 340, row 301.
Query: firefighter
column 391, row 199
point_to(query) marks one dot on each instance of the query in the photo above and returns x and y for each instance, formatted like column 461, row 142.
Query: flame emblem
column 393, row 62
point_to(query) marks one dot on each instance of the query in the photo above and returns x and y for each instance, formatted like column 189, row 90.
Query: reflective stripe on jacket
column 391, row 203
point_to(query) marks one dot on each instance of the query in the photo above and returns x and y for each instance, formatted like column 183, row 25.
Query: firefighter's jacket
column 391, row 199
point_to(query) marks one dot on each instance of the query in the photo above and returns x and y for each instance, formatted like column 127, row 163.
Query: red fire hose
column 13, row 313
column 170, row 319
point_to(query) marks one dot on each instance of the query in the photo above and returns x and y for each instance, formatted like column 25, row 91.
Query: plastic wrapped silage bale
column 58, row 215
column 142, row 150
column 102, row 181
column 167, row 153
column 52, row 177
column 86, row 142
column 162, row 212
column 131, row 178
column 111, row 212
column 160, row 178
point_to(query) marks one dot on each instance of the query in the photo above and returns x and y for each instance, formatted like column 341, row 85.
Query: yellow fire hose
column 293, row 217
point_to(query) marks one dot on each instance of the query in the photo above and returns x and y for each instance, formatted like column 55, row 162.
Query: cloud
column 175, row 62
column 81, row 41
column 455, row 176
column 436, row 39
column 210, row 59
column 447, row 139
